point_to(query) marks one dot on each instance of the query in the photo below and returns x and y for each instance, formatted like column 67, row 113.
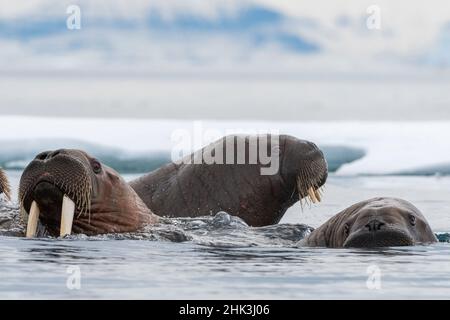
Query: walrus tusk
column 33, row 219
column 67, row 213
column 312, row 195
column 318, row 196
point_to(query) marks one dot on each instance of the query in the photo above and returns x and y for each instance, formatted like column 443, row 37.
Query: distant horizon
column 227, row 98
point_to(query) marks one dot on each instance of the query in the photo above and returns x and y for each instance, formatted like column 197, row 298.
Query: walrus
column 186, row 190
column 69, row 191
column 4, row 185
column 377, row 222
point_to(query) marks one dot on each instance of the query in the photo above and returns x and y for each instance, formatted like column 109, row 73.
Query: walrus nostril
column 42, row 155
column 46, row 155
column 312, row 145
column 375, row 225
column 54, row 154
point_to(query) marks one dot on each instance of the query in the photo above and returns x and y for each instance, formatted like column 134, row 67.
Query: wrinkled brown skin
column 115, row 207
column 192, row 190
column 377, row 222
column 4, row 184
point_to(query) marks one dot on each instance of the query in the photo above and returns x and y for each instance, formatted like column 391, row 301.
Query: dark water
column 221, row 257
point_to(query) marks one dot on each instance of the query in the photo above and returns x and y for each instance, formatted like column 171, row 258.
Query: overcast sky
column 272, row 59
column 226, row 35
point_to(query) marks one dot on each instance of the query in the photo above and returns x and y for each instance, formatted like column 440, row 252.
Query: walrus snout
column 376, row 239
column 381, row 230
column 304, row 160
column 380, row 226
column 53, row 187
column 375, row 225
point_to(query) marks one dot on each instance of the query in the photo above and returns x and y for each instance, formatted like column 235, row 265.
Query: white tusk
column 67, row 213
column 312, row 195
column 33, row 219
column 318, row 196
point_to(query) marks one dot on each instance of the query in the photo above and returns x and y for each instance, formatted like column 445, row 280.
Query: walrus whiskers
column 312, row 195
column 309, row 192
column 318, row 195
column 4, row 185
column 301, row 204
column 77, row 196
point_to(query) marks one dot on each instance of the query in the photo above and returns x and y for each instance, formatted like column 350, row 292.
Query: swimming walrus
column 4, row 185
column 187, row 190
column 377, row 222
column 69, row 191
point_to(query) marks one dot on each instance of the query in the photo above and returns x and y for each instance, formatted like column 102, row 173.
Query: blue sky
column 232, row 36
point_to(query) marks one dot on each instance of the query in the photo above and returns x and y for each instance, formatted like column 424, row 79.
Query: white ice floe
column 390, row 147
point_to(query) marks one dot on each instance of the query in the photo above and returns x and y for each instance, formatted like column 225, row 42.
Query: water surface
column 222, row 258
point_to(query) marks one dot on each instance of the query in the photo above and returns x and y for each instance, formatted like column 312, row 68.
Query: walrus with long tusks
column 68, row 191
column 377, row 222
column 4, row 185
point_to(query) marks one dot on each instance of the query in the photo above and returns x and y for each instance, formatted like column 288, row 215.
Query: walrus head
column 70, row 191
column 4, row 185
column 305, row 161
column 378, row 222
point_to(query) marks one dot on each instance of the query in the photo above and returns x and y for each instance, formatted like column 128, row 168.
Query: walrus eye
column 412, row 220
column 96, row 166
